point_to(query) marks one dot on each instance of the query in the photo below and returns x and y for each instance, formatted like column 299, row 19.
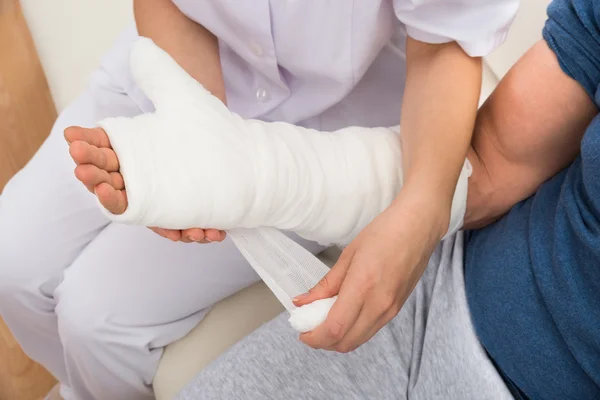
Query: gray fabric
column 429, row 351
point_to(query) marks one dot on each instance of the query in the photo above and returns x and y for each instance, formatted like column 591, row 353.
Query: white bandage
column 193, row 163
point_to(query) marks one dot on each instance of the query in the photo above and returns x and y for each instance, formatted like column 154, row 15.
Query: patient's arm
column 326, row 186
column 189, row 43
column 527, row 131
column 197, row 51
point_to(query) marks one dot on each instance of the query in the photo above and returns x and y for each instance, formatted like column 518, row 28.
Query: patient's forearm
column 190, row 44
column 529, row 129
column 326, row 186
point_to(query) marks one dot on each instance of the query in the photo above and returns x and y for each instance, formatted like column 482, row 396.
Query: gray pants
column 429, row 351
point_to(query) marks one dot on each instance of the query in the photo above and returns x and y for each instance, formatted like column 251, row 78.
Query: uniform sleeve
column 478, row 26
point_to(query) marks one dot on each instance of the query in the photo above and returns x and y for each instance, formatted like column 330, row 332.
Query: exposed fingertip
column 213, row 235
column 113, row 200
column 307, row 339
column 98, row 137
column 73, row 151
column 164, row 233
column 300, row 298
column 194, row 238
column 104, row 193
column 175, row 236
column 70, row 133
column 79, row 173
column 117, row 180
column 195, row 235
column 77, row 150
column 124, row 203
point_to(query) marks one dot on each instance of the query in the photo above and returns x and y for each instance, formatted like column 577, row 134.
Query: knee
column 41, row 215
column 87, row 317
column 81, row 324
column 19, row 270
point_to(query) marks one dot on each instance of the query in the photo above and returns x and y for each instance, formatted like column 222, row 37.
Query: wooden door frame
column 27, row 114
column 27, row 111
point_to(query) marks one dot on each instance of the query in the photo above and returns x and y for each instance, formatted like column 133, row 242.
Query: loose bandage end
column 308, row 317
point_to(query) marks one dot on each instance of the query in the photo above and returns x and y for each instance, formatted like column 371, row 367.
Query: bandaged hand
column 266, row 174
column 98, row 169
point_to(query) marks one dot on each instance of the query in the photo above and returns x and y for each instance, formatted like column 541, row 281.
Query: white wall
column 526, row 30
column 71, row 36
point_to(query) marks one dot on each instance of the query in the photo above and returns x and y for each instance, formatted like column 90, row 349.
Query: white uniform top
column 327, row 64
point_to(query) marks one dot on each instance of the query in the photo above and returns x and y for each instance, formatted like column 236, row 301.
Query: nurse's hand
column 195, row 235
column 376, row 273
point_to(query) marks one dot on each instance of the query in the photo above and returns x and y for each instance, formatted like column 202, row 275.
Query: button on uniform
column 256, row 49
column 262, row 95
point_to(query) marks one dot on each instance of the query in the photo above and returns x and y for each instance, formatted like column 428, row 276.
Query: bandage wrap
column 193, row 163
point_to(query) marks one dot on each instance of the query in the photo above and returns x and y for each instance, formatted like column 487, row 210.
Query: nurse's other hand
column 194, row 235
column 98, row 169
column 375, row 274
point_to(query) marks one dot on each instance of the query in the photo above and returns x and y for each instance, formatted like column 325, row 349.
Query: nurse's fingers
column 331, row 283
column 339, row 322
column 171, row 234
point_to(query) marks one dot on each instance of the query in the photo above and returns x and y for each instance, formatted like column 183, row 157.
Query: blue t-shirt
column 533, row 278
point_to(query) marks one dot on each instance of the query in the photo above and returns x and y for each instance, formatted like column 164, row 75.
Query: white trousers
column 96, row 302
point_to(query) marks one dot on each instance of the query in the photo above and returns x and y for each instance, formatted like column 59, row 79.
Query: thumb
column 329, row 286
column 163, row 80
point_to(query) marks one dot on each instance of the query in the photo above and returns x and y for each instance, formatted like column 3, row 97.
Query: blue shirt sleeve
column 572, row 32
column 533, row 278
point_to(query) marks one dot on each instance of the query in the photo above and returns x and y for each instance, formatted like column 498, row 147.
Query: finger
column 103, row 158
column 369, row 332
column 91, row 176
column 214, row 235
column 339, row 322
column 171, row 234
column 158, row 231
column 193, row 235
column 329, row 286
column 94, row 136
column 372, row 317
column 116, row 180
column 113, row 200
column 185, row 239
